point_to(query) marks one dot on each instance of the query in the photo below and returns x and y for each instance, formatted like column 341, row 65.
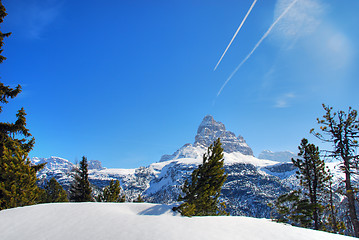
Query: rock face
column 95, row 164
column 56, row 167
column 209, row 130
column 61, row 169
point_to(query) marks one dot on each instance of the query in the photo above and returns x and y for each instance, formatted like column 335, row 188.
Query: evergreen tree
column 80, row 190
column 342, row 130
column 17, row 177
column 294, row 209
column 9, row 131
column 139, row 199
column 53, row 192
column 305, row 208
column 313, row 177
column 18, row 180
column 204, row 188
column 111, row 193
column 331, row 222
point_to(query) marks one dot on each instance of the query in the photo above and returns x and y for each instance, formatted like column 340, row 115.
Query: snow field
column 131, row 221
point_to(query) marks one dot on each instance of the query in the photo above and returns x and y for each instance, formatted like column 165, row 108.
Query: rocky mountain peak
column 209, row 130
column 208, row 122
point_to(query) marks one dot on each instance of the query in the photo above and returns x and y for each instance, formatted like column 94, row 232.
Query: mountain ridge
column 252, row 183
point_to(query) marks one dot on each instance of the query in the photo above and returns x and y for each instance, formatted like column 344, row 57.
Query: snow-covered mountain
column 251, row 184
column 132, row 221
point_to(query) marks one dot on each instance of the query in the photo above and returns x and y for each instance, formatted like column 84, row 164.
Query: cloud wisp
column 34, row 17
column 283, row 101
column 257, row 45
column 235, row 34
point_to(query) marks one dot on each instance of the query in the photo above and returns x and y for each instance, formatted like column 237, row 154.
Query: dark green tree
column 313, row 177
column 80, row 189
column 294, row 209
column 18, row 180
column 331, row 222
column 111, row 193
column 17, row 177
column 202, row 191
column 9, row 131
column 341, row 129
column 53, row 192
column 3, row 14
column 139, row 199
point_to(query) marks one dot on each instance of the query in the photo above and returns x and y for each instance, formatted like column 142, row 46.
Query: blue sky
column 125, row 82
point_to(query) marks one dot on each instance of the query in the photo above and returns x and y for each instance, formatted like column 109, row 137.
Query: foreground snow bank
column 138, row 221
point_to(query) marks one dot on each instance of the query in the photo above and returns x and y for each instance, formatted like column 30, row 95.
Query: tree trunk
column 351, row 199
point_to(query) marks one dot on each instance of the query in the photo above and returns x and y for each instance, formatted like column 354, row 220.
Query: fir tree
column 9, row 131
column 80, row 190
column 305, row 208
column 18, row 180
column 294, row 209
column 342, row 130
column 139, row 199
column 111, row 193
column 3, row 14
column 53, row 192
column 313, row 177
column 17, row 177
column 202, row 191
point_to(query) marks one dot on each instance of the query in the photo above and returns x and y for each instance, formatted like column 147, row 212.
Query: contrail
column 256, row 46
column 234, row 36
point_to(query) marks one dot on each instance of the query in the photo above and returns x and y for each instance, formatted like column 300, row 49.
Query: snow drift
column 138, row 221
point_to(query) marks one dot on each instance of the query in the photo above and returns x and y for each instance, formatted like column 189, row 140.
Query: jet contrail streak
column 256, row 46
column 234, row 36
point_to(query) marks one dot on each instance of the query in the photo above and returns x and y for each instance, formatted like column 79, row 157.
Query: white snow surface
column 229, row 158
column 104, row 173
column 80, row 221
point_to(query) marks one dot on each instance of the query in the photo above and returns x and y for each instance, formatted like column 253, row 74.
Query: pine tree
column 201, row 193
column 17, row 177
column 111, row 193
column 342, row 130
column 313, row 177
column 305, row 208
column 18, row 180
column 294, row 209
column 53, row 192
column 331, row 222
column 3, row 14
column 139, row 199
column 80, row 190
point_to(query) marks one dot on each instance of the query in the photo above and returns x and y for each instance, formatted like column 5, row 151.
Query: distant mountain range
column 283, row 156
column 252, row 182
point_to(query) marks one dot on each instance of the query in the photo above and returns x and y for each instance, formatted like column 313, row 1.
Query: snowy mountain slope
column 248, row 189
column 132, row 221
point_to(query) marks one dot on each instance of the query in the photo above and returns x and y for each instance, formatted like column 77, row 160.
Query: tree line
column 314, row 205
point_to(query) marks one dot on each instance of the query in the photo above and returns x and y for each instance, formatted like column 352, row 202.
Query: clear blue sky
column 125, row 82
